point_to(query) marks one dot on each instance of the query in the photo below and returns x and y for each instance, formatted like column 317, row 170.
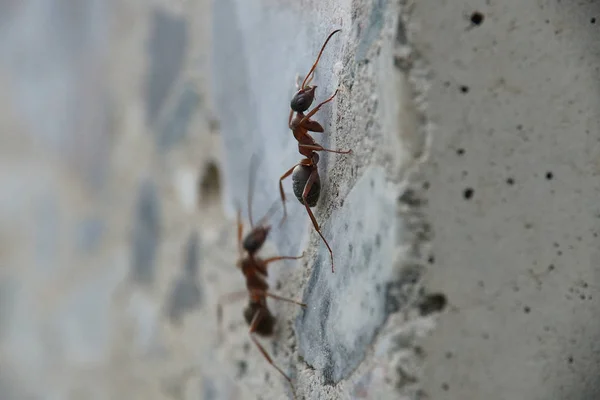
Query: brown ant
column 305, row 174
column 257, row 314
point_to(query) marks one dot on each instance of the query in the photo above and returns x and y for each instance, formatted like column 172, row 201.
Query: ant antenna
column 251, row 182
column 271, row 210
column 312, row 70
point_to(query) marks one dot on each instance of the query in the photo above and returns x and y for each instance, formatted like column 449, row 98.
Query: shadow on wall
column 582, row 350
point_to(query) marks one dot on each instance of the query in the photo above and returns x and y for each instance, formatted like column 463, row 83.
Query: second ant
column 257, row 314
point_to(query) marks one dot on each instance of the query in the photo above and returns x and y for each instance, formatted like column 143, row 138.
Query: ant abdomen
column 303, row 99
column 267, row 321
column 300, row 176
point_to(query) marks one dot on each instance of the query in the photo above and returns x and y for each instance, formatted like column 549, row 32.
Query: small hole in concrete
column 551, row 267
column 432, row 303
column 464, row 89
column 549, row 175
column 468, row 193
column 477, row 18
column 593, row 20
column 445, row 387
column 210, row 183
column 431, row 259
column 510, row 181
column 570, row 359
column 526, row 309
column 460, row 152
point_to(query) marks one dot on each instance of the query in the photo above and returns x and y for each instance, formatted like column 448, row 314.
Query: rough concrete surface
column 513, row 179
column 128, row 130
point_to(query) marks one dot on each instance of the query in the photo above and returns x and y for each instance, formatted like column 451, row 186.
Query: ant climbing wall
column 462, row 224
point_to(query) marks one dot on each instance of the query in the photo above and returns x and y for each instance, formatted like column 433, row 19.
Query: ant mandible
column 257, row 314
column 305, row 174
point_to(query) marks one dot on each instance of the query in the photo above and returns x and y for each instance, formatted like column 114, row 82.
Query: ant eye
column 303, row 99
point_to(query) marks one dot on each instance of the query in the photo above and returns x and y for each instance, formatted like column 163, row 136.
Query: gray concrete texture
column 128, row 130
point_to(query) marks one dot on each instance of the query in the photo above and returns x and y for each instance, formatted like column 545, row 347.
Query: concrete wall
column 128, row 130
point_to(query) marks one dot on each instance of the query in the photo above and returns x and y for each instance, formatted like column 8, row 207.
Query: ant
column 305, row 175
column 257, row 314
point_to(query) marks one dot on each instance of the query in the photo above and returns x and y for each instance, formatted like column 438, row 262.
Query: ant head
column 303, row 99
column 256, row 238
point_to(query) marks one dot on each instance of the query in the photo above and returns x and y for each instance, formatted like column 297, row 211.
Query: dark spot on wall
column 468, row 193
column 210, row 184
column 242, row 368
column 526, row 309
column 570, row 359
column 401, row 38
column 460, row 152
column 551, row 267
column 186, row 294
column 464, row 89
column 167, row 47
column 449, row 355
column 398, row 293
column 477, row 18
column 214, row 126
column 593, row 20
column 432, row 303
column 175, row 129
column 510, row 181
column 445, row 387
column 146, row 233
column 549, row 175
column 431, row 259
column 411, row 198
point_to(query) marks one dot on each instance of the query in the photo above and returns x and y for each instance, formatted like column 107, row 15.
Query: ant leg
column 253, row 326
column 274, row 296
column 318, row 147
column 270, row 260
column 240, row 232
column 228, row 298
column 311, row 179
column 318, row 107
column 281, row 192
